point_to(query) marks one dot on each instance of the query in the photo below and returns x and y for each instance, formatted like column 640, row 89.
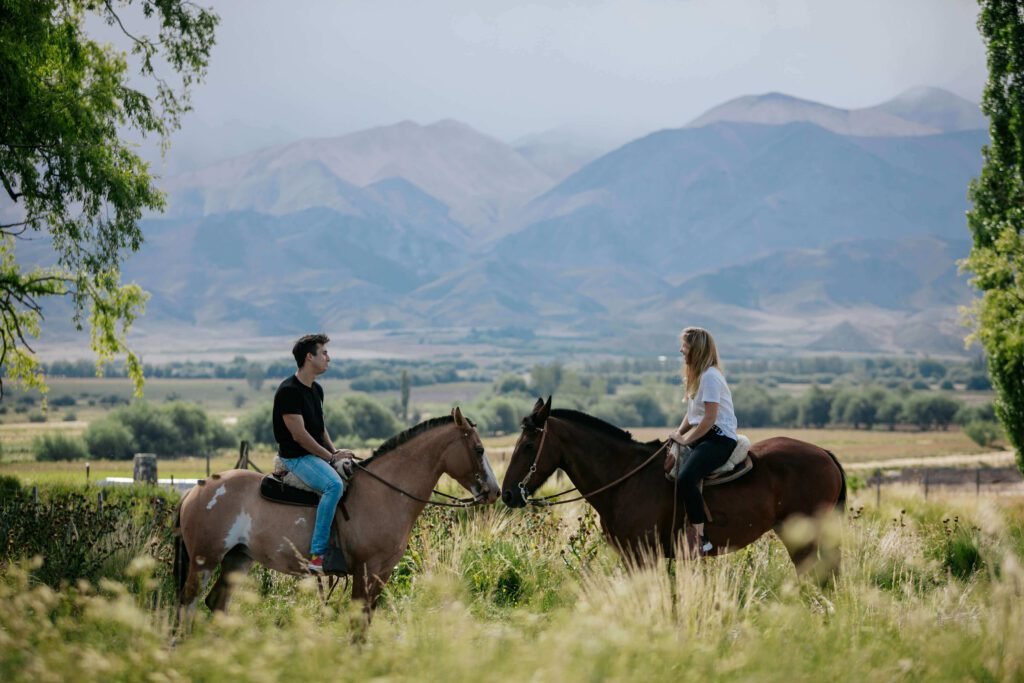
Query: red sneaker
column 316, row 564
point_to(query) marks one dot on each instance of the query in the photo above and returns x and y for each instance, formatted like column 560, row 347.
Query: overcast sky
column 508, row 68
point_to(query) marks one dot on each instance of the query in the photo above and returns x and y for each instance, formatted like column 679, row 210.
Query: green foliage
column 815, row 407
column 78, row 535
column 928, row 410
column 168, row 430
column 753, row 405
column 647, row 407
column 983, row 432
column 108, row 438
column 370, row 420
column 499, row 414
column 56, row 446
column 996, row 219
column 511, row 384
column 66, row 100
column 254, row 376
column 257, row 425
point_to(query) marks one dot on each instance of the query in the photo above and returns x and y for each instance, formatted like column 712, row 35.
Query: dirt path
column 996, row 459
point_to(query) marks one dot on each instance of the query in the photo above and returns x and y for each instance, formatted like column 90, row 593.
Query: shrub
column 37, row 417
column 753, row 405
column 257, row 426
column 983, row 432
column 55, row 447
column 62, row 401
column 108, row 438
column 647, row 407
column 370, row 420
column 70, row 416
column 978, row 383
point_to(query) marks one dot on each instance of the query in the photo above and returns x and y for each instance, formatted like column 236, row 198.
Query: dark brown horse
column 791, row 479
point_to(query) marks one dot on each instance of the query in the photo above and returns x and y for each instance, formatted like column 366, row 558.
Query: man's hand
column 343, row 453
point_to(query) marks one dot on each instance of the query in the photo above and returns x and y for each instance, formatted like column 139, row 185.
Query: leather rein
column 459, row 502
column 547, row 500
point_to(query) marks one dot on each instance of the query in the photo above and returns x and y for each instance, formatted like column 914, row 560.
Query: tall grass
column 536, row 595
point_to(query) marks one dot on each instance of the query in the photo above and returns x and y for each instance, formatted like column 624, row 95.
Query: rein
column 459, row 502
column 546, row 500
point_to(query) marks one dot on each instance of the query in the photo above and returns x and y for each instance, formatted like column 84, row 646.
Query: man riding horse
column 304, row 444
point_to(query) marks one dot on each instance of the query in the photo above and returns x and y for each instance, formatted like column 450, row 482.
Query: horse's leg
column 810, row 557
column 189, row 597
column 366, row 587
column 237, row 560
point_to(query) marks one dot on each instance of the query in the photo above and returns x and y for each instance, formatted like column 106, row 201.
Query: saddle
column 281, row 486
column 738, row 464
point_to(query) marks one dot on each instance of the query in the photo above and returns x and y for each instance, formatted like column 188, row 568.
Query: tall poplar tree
column 997, row 216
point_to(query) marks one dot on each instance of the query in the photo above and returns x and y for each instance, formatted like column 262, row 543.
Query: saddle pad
column 282, row 473
column 739, row 454
column 276, row 490
column 735, row 473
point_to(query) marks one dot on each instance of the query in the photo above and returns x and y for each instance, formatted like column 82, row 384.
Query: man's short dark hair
column 307, row 344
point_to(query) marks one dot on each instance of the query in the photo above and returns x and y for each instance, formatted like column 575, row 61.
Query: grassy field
column 929, row 591
column 851, row 446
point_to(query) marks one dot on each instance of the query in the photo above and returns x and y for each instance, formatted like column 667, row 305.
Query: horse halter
column 533, row 467
column 547, row 500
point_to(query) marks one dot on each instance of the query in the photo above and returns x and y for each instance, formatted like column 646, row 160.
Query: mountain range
column 781, row 224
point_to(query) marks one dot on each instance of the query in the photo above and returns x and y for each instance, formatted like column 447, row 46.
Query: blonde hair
column 702, row 355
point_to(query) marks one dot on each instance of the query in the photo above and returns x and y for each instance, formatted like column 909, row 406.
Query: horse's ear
column 457, row 414
column 538, row 405
column 545, row 410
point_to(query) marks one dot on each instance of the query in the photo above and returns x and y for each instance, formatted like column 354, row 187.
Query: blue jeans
column 323, row 479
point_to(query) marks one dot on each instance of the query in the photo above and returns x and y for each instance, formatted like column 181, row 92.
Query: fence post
column 87, row 474
column 99, row 501
column 144, row 470
column 878, row 488
column 977, row 482
column 207, row 464
column 35, row 496
column 926, row 484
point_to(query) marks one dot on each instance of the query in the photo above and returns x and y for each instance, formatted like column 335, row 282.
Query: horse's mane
column 409, row 434
column 593, row 422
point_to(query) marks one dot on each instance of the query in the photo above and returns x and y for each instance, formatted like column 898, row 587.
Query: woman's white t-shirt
column 713, row 389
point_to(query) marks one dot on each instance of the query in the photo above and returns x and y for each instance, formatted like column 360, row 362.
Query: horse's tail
column 181, row 559
column 841, row 503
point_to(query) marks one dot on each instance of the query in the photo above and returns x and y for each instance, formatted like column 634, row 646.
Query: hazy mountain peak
column 776, row 108
column 935, row 108
column 479, row 177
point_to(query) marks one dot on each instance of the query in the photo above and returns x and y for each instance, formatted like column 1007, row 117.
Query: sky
column 614, row 69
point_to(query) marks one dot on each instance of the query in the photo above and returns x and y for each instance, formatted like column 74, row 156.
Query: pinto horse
column 225, row 522
column 639, row 514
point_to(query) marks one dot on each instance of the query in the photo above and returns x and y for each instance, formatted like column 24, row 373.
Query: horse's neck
column 592, row 460
column 415, row 466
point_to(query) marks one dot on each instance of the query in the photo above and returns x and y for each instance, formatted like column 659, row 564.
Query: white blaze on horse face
column 300, row 520
column 492, row 481
column 240, row 531
column 213, row 501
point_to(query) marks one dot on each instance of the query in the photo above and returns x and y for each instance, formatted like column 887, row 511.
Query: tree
column 996, row 218
column 405, row 396
column 254, row 376
column 65, row 170
column 815, row 407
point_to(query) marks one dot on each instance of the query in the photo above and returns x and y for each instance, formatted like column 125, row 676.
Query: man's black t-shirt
column 295, row 398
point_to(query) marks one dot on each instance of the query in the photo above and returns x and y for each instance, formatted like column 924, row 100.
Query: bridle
column 459, row 502
column 547, row 500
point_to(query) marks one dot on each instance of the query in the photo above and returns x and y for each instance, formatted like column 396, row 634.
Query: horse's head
column 465, row 461
column 530, row 465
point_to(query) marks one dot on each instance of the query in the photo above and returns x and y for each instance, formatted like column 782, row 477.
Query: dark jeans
column 709, row 453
